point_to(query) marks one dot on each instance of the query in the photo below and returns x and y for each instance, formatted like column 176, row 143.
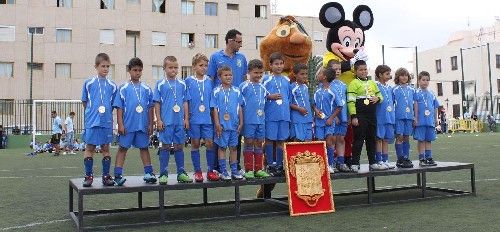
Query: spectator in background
column 466, row 115
column 443, row 122
column 56, row 132
column 2, row 141
column 69, row 129
column 491, row 123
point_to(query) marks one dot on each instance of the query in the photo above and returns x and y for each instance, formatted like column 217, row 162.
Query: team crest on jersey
column 238, row 63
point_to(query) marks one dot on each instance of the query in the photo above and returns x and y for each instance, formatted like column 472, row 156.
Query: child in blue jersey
column 97, row 98
column 200, row 88
column 403, row 109
column 324, row 107
column 277, row 110
column 228, row 119
column 171, row 108
column 134, row 114
column 254, row 97
column 301, row 115
column 426, row 108
column 385, row 117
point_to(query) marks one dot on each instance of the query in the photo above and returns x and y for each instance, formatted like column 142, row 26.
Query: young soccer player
column 300, row 105
column 426, row 108
column 171, row 106
column 97, row 98
column 403, row 100
column 228, row 119
column 57, row 131
column 134, row 114
column 362, row 97
column 385, row 117
column 200, row 88
column 254, row 97
column 277, row 110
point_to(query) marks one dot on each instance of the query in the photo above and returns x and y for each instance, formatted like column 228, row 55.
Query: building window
column 438, row 66
column 7, row 33
column 132, row 36
column 159, row 6
column 440, row 89
column 456, row 89
column 35, row 30
column 107, row 36
column 7, row 1
column 260, row 11
column 456, row 110
column 187, row 7
column 454, row 65
column 107, row 4
column 65, row 3
column 211, row 41
column 6, row 69
column 135, row 2
column 187, row 39
column 318, row 36
column 36, row 66
column 64, row 70
column 63, row 35
column 158, row 72
column 258, row 39
column 158, row 38
column 233, row 7
column 186, row 71
column 498, row 85
column 7, row 106
column 211, row 8
column 498, row 61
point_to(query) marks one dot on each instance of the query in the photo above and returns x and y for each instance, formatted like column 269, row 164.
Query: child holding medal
column 134, row 114
column 228, row 119
column 254, row 97
column 171, row 108
column 301, row 114
column 385, row 117
column 97, row 98
column 426, row 108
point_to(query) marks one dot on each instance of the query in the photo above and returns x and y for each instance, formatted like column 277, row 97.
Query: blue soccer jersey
column 98, row 94
column 227, row 102
column 385, row 109
column 324, row 101
column 340, row 90
column 403, row 100
column 237, row 63
column 427, row 104
column 300, row 97
column 171, row 94
column 56, row 125
column 277, row 110
column 254, row 100
column 199, row 105
column 135, row 100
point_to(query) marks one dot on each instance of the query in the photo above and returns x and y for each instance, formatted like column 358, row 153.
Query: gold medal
column 366, row 101
column 226, row 116
column 427, row 112
column 101, row 109
column 201, row 108
column 322, row 115
column 407, row 109
column 176, row 108
column 389, row 108
column 139, row 109
column 260, row 113
column 279, row 101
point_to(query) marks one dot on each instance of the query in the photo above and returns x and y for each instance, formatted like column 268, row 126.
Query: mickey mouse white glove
column 360, row 55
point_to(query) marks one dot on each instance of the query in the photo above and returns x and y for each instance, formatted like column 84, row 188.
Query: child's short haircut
column 54, row 112
column 381, row 69
column 134, row 62
column 72, row 113
column 275, row 56
column 401, row 72
column 320, row 71
column 199, row 57
column 169, row 59
column 224, row 68
column 255, row 64
column 331, row 63
column 424, row 74
column 330, row 74
column 358, row 63
column 298, row 67
column 231, row 34
column 101, row 57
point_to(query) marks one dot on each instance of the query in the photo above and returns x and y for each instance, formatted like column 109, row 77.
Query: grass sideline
column 34, row 195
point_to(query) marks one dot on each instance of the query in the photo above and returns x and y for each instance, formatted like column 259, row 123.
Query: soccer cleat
column 279, row 171
column 404, row 163
column 431, row 162
column 87, row 182
column 377, row 167
column 236, row 176
column 107, row 181
column 64, row 153
column 271, row 169
column 389, row 165
column 331, row 169
column 355, row 168
column 400, row 163
column 198, row 176
column 343, row 168
column 261, row 174
column 149, row 178
column 119, row 180
column 163, row 179
column 249, row 175
column 184, row 178
column 225, row 176
column 212, row 176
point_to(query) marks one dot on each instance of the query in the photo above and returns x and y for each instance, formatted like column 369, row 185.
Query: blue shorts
column 404, row 127
column 425, row 133
column 229, row 138
column 322, row 131
column 301, row 131
column 173, row 134
column 340, row 129
column 385, row 131
column 254, row 131
column 201, row 131
column 277, row 130
column 138, row 139
column 98, row 135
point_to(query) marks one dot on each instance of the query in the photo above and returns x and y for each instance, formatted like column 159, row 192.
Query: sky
column 423, row 23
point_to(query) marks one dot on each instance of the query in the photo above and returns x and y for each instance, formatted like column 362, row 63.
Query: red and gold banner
column 308, row 179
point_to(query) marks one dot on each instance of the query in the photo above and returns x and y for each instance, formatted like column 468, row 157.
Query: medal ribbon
column 255, row 92
column 100, row 91
column 174, row 90
column 138, row 95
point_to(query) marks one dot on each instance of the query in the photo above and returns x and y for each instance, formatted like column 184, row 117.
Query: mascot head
column 345, row 37
column 290, row 39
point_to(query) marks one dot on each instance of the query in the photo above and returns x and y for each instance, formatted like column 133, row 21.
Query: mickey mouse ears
column 332, row 14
